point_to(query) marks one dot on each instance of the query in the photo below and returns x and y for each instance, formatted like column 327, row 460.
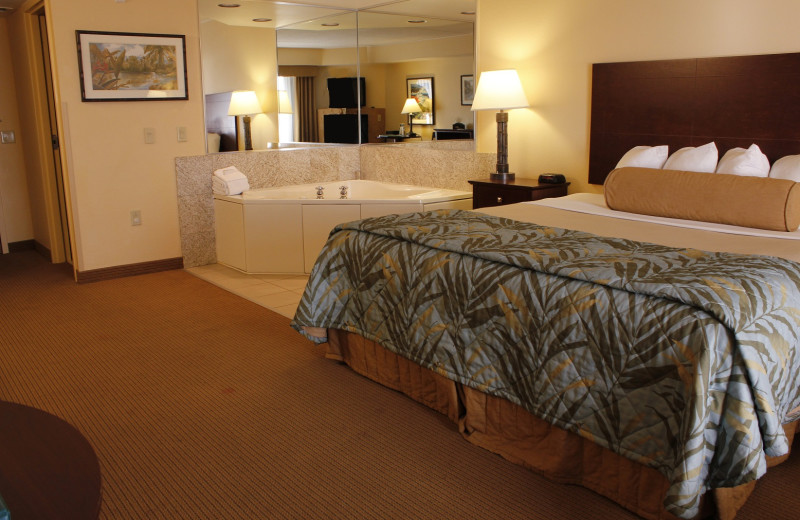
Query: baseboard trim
column 30, row 245
column 44, row 251
column 22, row 245
column 120, row 271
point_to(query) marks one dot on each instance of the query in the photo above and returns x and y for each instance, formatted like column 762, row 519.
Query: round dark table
column 48, row 470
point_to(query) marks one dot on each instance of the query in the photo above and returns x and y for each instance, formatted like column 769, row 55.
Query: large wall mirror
column 337, row 74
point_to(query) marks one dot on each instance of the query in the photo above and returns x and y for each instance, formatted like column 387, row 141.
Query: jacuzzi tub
column 356, row 192
column 282, row 230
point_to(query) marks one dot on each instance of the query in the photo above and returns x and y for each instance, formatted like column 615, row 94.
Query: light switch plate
column 181, row 134
column 8, row 137
column 149, row 135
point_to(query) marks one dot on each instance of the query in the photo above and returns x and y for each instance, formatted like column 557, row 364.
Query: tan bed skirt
column 507, row 429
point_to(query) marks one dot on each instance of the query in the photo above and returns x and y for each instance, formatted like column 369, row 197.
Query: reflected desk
column 398, row 138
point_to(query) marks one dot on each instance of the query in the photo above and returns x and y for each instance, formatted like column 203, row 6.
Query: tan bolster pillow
column 755, row 202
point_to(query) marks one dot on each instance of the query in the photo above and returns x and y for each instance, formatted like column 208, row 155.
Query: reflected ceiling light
column 229, row 5
column 262, row 19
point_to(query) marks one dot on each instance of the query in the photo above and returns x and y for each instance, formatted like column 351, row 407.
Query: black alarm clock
column 552, row 178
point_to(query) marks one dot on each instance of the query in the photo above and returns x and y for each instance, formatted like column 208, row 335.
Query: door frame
column 43, row 137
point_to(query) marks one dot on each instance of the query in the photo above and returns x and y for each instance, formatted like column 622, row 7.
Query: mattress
column 726, row 359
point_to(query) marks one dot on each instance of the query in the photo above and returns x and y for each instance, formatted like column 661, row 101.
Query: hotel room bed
column 652, row 362
column 646, row 362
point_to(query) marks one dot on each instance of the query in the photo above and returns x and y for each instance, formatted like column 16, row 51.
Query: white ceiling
column 292, row 12
column 289, row 13
column 377, row 23
column 305, row 19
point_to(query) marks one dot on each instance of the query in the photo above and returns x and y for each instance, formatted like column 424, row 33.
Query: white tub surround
column 442, row 164
column 263, row 168
column 282, row 230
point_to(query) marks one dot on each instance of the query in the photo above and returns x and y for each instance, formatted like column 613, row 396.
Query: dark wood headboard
column 733, row 101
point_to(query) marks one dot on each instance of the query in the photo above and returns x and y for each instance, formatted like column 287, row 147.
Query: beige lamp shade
column 411, row 107
column 499, row 90
column 243, row 103
column 284, row 103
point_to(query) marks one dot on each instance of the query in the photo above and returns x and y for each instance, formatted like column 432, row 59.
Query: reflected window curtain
column 306, row 119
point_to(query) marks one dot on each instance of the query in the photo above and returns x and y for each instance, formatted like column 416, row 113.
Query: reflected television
column 346, row 92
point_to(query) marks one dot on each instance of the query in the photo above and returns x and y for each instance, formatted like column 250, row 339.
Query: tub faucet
column 320, row 194
column 342, row 192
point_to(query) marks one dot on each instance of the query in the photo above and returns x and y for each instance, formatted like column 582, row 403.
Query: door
column 61, row 247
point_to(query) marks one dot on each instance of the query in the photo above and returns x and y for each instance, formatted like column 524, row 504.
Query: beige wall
column 111, row 170
column 15, row 212
column 552, row 43
column 243, row 58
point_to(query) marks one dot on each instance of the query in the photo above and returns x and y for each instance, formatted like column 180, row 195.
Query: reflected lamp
column 411, row 107
column 500, row 90
column 284, row 103
column 245, row 103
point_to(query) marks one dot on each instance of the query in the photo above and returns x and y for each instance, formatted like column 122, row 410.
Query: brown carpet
column 200, row 404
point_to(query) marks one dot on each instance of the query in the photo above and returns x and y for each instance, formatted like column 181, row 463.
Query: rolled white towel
column 229, row 174
column 229, row 181
column 234, row 187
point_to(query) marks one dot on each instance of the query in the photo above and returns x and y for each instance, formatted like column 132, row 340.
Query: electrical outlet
column 8, row 137
column 136, row 217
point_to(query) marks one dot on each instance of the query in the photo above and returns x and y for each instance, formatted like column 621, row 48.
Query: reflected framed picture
column 421, row 89
column 118, row 66
column 467, row 89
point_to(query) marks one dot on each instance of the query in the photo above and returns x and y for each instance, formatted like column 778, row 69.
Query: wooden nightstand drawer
column 487, row 192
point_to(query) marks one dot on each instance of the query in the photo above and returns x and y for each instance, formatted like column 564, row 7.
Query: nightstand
column 488, row 192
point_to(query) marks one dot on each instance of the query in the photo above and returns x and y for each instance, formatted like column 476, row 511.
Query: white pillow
column 645, row 157
column 691, row 159
column 750, row 162
column 786, row 168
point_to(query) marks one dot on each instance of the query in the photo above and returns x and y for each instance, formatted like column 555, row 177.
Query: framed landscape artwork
column 421, row 89
column 131, row 66
column 467, row 89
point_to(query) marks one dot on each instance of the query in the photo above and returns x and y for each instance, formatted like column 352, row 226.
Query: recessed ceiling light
column 262, row 19
column 417, row 21
column 468, row 12
column 229, row 5
column 4, row 9
column 330, row 25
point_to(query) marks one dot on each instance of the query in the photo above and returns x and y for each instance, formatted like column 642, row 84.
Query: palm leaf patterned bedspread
column 683, row 360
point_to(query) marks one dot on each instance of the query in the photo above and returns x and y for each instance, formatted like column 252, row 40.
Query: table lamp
column 500, row 90
column 244, row 103
column 411, row 107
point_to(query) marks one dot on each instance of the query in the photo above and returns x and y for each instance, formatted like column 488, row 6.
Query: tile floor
column 278, row 292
